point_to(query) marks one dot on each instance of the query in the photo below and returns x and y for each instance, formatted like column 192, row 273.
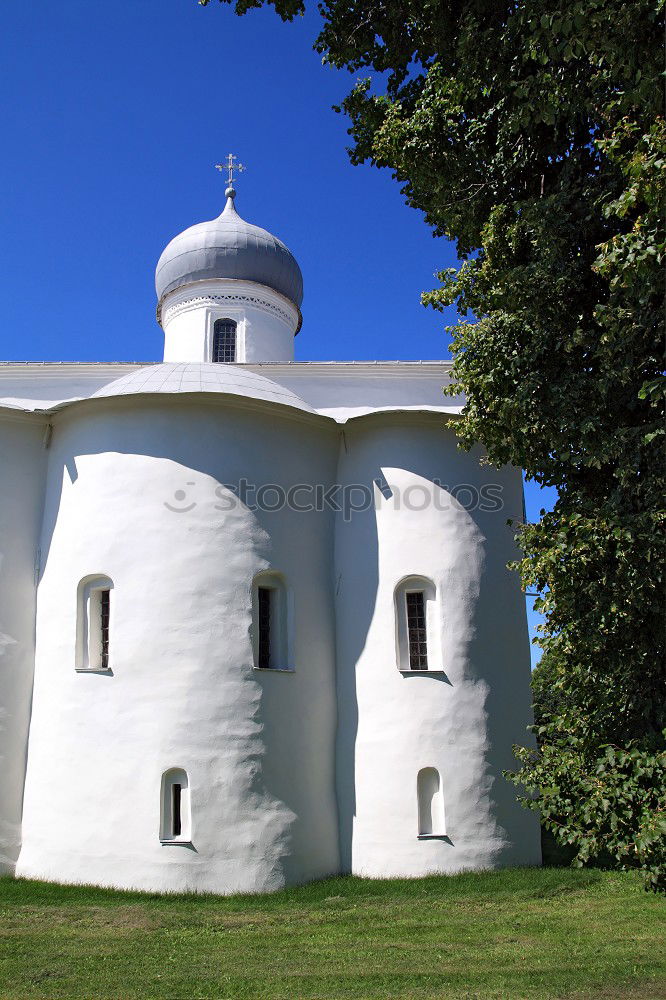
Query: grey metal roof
column 172, row 377
column 229, row 247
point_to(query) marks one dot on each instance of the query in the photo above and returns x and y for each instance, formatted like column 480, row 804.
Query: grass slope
column 532, row 933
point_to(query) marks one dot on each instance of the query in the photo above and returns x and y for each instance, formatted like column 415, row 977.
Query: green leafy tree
column 532, row 134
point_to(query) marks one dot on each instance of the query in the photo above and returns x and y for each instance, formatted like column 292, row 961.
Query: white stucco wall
column 462, row 722
column 258, row 747
column 22, row 466
column 291, row 776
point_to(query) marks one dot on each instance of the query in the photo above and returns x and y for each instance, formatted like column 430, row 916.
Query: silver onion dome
column 229, row 247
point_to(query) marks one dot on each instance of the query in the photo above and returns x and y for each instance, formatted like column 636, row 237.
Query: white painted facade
column 166, row 756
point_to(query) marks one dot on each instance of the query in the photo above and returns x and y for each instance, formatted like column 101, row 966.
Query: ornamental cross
column 230, row 166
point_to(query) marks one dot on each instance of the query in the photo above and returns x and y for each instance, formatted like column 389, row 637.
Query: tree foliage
column 532, row 134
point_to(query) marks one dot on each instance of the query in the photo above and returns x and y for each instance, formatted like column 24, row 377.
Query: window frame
column 217, row 323
column 281, row 618
column 175, row 807
column 417, row 629
column 94, row 625
column 436, row 813
column 267, row 599
column 433, row 628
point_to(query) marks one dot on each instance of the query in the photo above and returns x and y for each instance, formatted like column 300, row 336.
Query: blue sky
column 113, row 117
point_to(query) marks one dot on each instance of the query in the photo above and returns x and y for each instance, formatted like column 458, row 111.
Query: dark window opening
column 264, row 597
column 105, row 611
column 416, row 630
column 224, row 341
column 176, row 821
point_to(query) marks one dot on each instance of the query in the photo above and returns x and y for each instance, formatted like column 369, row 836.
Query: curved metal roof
column 229, row 247
column 172, row 377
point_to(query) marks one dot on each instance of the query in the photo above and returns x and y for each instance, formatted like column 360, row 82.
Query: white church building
column 256, row 621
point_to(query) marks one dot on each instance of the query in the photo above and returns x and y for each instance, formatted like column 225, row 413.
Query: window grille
column 264, row 599
column 105, row 610
column 224, row 341
column 416, row 630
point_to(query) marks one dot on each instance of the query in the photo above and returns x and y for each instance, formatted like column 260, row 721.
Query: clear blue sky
column 113, row 116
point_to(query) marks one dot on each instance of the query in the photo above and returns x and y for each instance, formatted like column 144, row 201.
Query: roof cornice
column 66, row 369
column 115, row 369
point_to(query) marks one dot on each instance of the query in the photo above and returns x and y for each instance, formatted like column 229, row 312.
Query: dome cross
column 230, row 166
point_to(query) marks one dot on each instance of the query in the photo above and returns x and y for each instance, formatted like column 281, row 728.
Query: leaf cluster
column 610, row 805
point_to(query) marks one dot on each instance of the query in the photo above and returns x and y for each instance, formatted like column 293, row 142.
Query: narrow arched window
column 271, row 622
column 417, row 647
column 266, row 615
column 415, row 609
column 224, row 340
column 431, row 803
column 175, row 807
column 93, row 627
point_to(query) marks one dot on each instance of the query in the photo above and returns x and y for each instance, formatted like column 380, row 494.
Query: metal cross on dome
column 230, row 166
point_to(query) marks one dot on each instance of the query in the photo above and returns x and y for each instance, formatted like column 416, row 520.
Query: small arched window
column 271, row 622
column 431, row 803
column 93, row 623
column 224, row 340
column 175, row 807
column 417, row 647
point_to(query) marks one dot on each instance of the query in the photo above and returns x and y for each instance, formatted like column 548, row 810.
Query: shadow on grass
column 555, row 855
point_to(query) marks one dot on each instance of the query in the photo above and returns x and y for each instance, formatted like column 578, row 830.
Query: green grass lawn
column 536, row 933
